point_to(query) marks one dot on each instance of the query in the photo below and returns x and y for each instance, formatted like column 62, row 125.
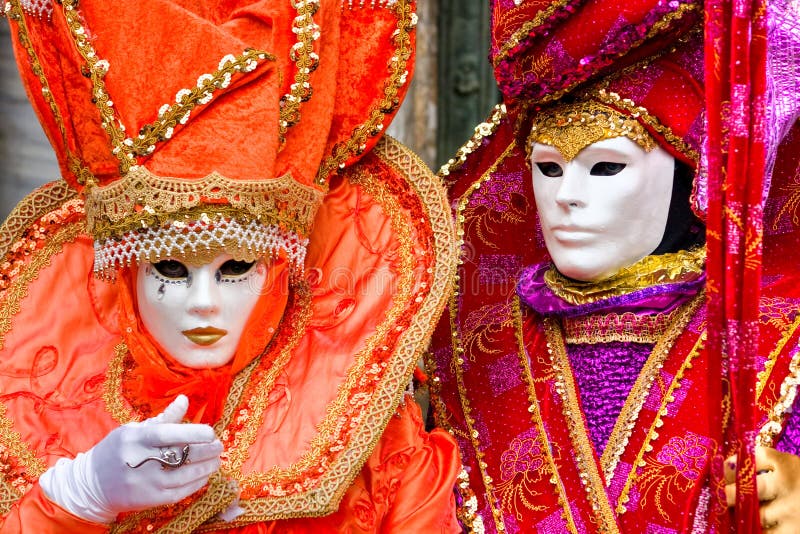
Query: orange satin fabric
column 406, row 486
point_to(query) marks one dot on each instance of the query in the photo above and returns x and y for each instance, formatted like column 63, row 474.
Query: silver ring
column 167, row 457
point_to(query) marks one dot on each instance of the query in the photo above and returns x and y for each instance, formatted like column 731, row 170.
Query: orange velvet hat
column 209, row 126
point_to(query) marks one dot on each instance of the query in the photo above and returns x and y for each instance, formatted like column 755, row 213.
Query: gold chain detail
column 143, row 199
column 536, row 415
column 572, row 127
column 306, row 61
column 373, row 126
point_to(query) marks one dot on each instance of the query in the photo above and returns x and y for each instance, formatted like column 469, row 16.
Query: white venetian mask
column 603, row 210
column 198, row 313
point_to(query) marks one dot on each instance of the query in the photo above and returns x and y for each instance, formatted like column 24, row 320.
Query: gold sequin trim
column 649, row 271
column 526, row 28
column 41, row 201
column 658, row 422
column 482, row 131
column 458, row 349
column 629, row 106
column 373, row 126
column 536, row 417
column 572, row 127
column 170, row 115
column 143, row 199
column 770, row 431
column 564, row 385
column 306, row 61
column 18, row 289
column 626, row 421
column 12, row 446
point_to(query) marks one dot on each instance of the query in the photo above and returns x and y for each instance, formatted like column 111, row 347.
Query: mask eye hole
column 172, row 269
column 607, row 168
column 235, row 268
column 550, row 169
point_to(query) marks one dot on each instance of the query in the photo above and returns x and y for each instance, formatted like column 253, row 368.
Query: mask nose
column 203, row 299
column 570, row 192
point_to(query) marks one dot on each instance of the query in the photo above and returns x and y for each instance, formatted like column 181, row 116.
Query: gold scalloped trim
column 32, row 208
column 770, row 431
column 373, row 126
column 143, row 199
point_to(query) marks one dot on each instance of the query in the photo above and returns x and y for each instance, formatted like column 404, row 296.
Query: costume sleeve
column 36, row 514
column 419, row 470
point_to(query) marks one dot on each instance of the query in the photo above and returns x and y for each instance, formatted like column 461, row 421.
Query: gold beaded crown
column 205, row 127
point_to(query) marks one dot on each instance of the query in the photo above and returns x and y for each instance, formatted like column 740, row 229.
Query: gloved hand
column 778, row 483
column 100, row 484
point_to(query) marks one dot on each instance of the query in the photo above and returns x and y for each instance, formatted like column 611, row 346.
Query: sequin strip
column 658, row 422
column 626, row 422
column 373, row 126
column 482, row 131
column 788, row 393
column 361, row 4
column 458, row 350
column 536, row 416
column 306, row 61
column 565, row 386
column 170, row 115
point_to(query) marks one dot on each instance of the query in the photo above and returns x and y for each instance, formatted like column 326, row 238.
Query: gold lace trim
column 31, row 208
column 684, row 265
column 572, row 127
column 373, row 126
column 14, row 485
column 626, row 327
column 142, row 199
column 220, row 494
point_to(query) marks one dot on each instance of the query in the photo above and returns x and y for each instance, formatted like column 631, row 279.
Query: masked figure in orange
column 572, row 367
column 210, row 322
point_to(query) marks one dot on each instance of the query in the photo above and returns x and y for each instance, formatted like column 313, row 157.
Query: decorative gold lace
column 680, row 266
column 142, row 199
column 572, row 127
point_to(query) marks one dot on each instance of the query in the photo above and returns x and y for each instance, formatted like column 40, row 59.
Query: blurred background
column 451, row 92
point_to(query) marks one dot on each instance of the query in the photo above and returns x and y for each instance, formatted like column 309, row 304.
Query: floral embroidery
column 521, row 468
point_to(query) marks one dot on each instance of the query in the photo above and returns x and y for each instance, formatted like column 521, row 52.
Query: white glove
column 100, row 484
